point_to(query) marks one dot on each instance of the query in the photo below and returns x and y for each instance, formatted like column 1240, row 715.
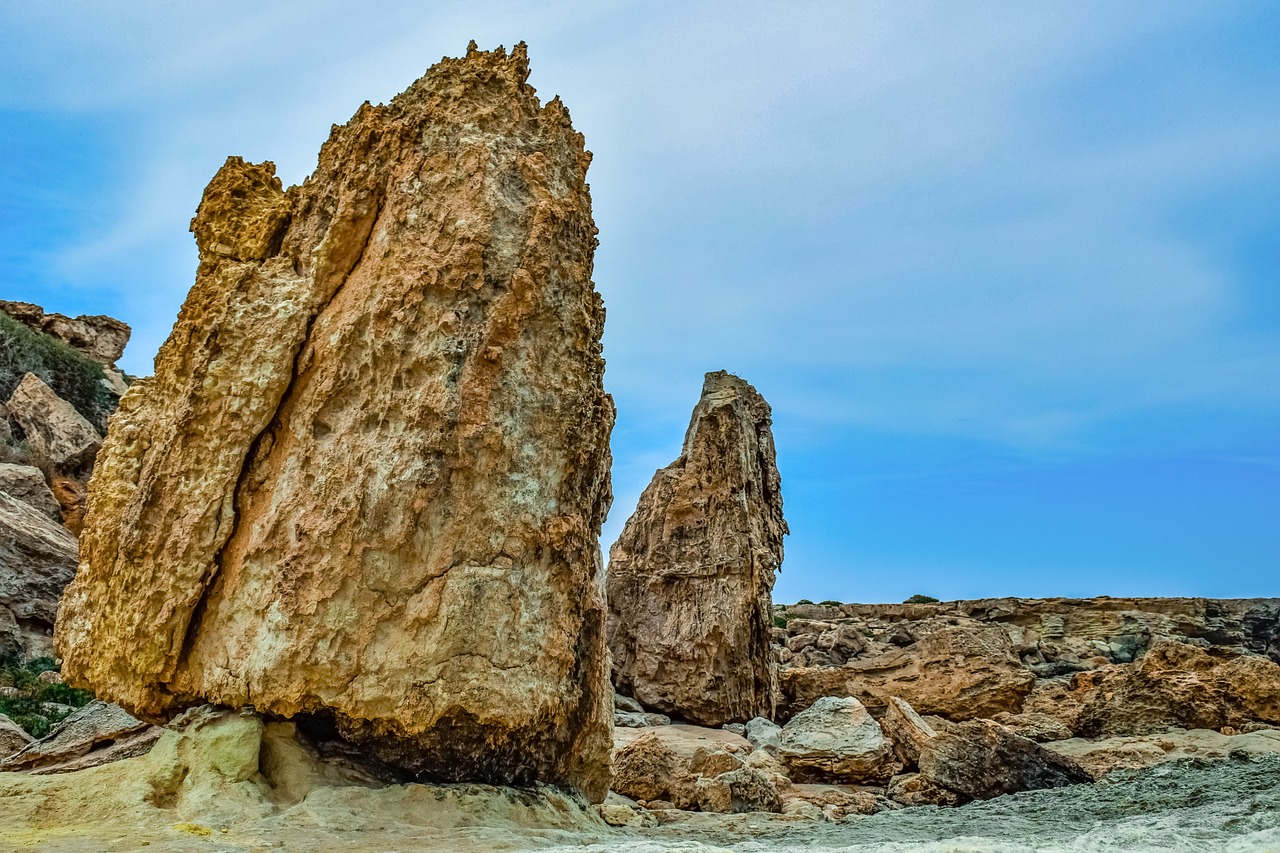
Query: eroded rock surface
column 1179, row 685
column 690, row 577
column 97, row 726
column 28, row 485
column 37, row 560
column 835, row 739
column 367, row 480
column 980, row 759
column 54, row 430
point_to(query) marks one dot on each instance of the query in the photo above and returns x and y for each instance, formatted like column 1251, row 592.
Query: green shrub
column 921, row 599
column 829, row 603
column 27, row 709
column 804, row 601
column 72, row 376
column 780, row 620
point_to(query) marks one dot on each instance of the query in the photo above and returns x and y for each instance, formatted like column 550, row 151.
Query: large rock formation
column 37, row 560
column 1175, row 685
column 366, row 483
column 690, row 577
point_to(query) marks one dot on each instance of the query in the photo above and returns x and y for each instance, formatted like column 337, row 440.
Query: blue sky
column 1009, row 272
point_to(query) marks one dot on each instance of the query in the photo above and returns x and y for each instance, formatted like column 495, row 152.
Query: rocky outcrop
column 1100, row 757
column 100, row 338
column 37, row 560
column 979, row 759
column 366, row 483
column 54, row 430
column 1028, row 663
column 1176, row 685
column 957, row 671
column 690, row 577
column 27, row 484
column 99, row 726
column 836, row 740
column 676, row 767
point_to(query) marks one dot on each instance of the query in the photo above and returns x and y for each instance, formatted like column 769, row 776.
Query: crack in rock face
column 368, row 477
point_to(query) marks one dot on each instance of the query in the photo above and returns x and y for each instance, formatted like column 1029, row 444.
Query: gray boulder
column 836, row 740
column 981, row 759
column 37, row 560
column 28, row 485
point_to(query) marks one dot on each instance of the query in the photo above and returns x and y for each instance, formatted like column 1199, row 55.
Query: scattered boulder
column 37, row 560
column 379, row 423
column 763, row 734
column 915, row 789
column 981, row 759
column 12, row 737
column 100, row 729
column 690, row 578
column 632, row 720
column 1038, row 727
column 617, row 810
column 27, row 484
column 837, row 802
column 836, row 740
column 648, row 769
column 54, row 429
column 906, row 729
column 750, row 790
column 626, row 703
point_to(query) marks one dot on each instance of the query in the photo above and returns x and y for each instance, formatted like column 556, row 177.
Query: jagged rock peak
column 367, row 480
column 690, row 578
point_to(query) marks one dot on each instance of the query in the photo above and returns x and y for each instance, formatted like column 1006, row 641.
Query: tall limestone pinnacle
column 367, row 480
column 690, row 578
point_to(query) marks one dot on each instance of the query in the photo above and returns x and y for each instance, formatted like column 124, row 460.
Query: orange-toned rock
column 690, row 577
column 71, row 495
column 1176, row 684
column 367, row 480
column 958, row 672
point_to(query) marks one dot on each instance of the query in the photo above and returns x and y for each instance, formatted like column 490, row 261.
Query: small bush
column 829, row 603
column 72, row 376
column 921, row 599
column 27, row 709
column 804, row 601
column 780, row 620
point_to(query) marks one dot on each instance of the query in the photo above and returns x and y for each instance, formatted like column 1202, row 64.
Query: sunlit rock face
column 690, row 579
column 367, row 480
